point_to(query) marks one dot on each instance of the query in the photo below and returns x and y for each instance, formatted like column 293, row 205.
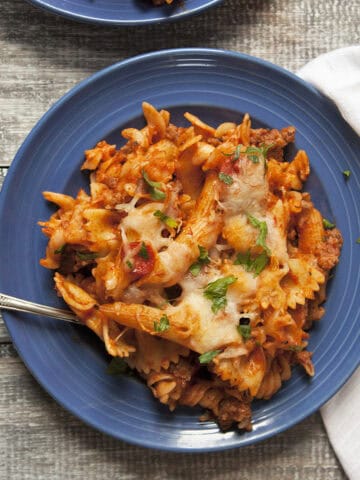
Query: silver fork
column 12, row 303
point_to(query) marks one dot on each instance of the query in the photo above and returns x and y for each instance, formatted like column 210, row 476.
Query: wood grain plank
column 3, row 172
column 4, row 334
column 44, row 441
column 42, row 56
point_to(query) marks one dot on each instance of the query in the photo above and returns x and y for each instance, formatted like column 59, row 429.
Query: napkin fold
column 337, row 75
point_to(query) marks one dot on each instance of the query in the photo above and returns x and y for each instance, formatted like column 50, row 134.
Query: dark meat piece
column 232, row 410
column 328, row 251
column 226, row 405
column 278, row 139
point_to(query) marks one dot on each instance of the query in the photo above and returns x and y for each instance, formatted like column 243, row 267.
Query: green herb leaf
column 195, row 269
column 204, row 256
column 245, row 331
column 263, row 230
column 143, row 253
column 237, row 153
column 327, row 224
column 169, row 221
column 226, row 178
column 346, row 174
column 208, row 356
column 154, row 188
column 255, row 265
column 255, row 154
column 117, row 366
column 162, row 325
column 243, row 259
column 203, row 259
column 358, row 240
column 129, row 264
column 216, row 292
column 87, row 255
column 218, row 304
column 259, row 263
column 60, row 249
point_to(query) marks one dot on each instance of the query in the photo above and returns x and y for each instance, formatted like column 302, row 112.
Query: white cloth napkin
column 337, row 75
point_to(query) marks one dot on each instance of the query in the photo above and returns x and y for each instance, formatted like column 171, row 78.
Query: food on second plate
column 161, row 2
column 197, row 259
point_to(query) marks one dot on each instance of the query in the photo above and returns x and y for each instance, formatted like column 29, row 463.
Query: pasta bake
column 197, row 259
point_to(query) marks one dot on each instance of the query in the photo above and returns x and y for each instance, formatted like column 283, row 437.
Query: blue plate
column 219, row 86
column 124, row 12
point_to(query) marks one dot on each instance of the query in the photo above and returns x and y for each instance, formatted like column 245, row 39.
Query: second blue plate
column 124, row 12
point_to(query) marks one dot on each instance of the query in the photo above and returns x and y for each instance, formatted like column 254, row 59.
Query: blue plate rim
column 44, row 5
column 9, row 178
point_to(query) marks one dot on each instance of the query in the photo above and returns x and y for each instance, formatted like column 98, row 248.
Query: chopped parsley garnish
column 263, row 230
column 237, row 152
column 255, row 154
column 117, row 366
column 203, row 259
column 143, row 252
column 226, row 178
column 60, row 249
column 169, row 221
column 346, row 174
column 327, row 224
column 255, row 265
column 154, row 188
column 162, row 325
column 208, row 356
column 216, row 292
column 245, row 331
column 129, row 264
column 87, row 255
column 195, row 269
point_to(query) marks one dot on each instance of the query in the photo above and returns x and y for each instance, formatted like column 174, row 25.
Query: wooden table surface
column 41, row 57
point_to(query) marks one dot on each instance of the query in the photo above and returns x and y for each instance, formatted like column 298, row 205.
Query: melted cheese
column 247, row 193
column 128, row 207
column 173, row 260
column 276, row 240
column 141, row 224
column 220, row 329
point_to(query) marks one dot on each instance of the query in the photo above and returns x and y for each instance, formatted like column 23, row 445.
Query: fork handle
column 12, row 303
